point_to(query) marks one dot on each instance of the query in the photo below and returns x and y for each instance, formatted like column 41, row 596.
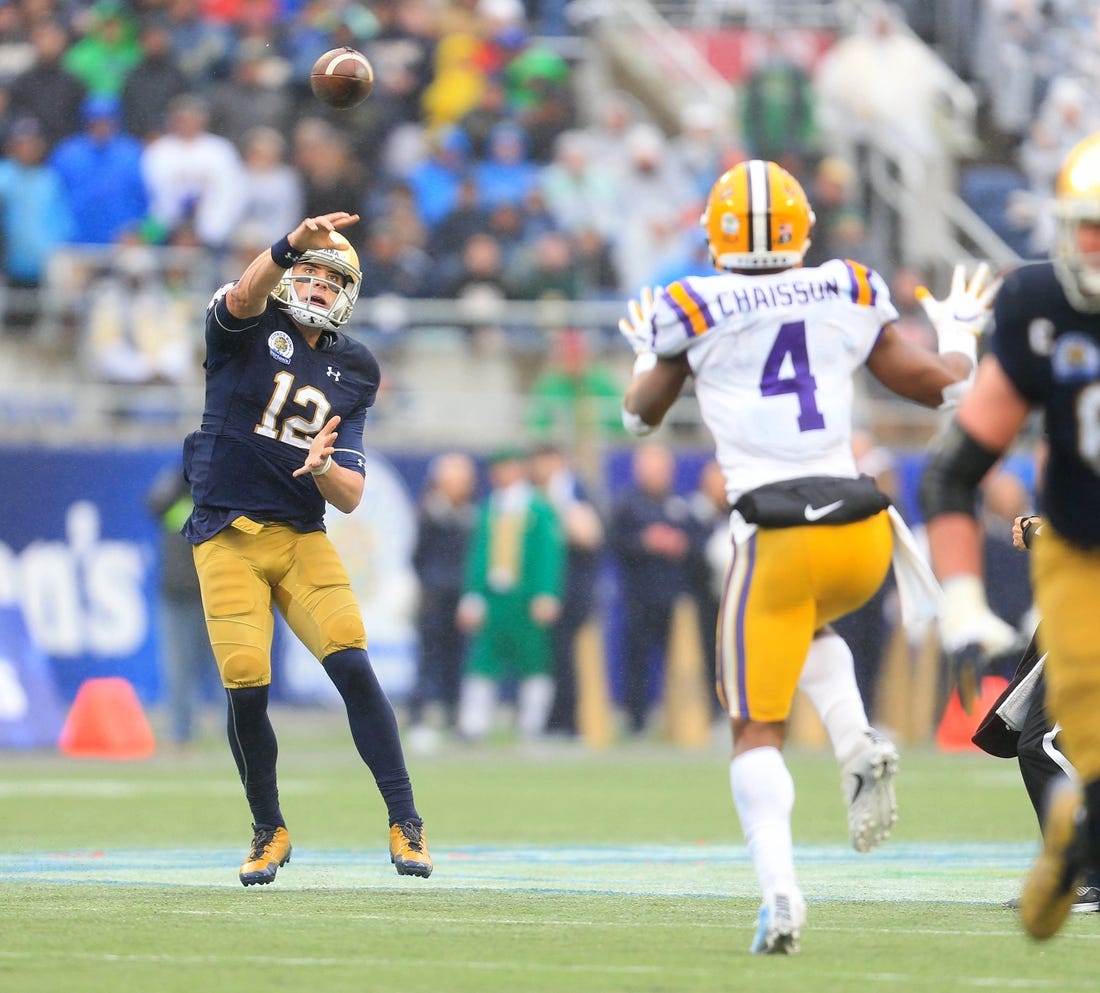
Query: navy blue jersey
column 267, row 394
column 1051, row 353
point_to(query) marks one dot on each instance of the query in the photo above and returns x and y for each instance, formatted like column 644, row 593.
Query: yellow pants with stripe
column 244, row 573
column 1066, row 580
column 783, row 584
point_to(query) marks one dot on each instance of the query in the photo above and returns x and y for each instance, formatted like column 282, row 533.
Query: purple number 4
column 791, row 341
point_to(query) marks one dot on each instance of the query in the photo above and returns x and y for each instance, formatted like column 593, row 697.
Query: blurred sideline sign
column 80, row 561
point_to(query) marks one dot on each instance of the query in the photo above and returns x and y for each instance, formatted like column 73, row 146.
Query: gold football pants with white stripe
column 1066, row 580
column 242, row 573
column 783, row 584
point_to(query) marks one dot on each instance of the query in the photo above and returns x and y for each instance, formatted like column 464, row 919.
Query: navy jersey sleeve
column 224, row 336
column 360, row 363
column 1013, row 316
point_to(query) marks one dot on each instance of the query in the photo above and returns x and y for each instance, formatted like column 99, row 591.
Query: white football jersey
column 773, row 358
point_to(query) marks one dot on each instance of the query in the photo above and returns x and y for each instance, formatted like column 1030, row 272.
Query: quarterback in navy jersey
column 286, row 398
column 1045, row 357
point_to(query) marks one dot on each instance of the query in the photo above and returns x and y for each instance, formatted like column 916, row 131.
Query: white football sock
column 534, row 699
column 476, row 707
column 763, row 793
column 829, row 680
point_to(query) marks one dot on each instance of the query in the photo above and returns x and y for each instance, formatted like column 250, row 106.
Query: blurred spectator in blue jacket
column 47, row 91
column 506, row 174
column 436, row 180
column 100, row 170
column 35, row 218
column 153, row 83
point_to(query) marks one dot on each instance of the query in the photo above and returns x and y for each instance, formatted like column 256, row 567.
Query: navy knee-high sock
column 255, row 750
column 373, row 729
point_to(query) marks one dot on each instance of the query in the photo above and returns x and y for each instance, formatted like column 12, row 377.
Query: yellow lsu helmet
column 757, row 217
column 1077, row 200
column 341, row 258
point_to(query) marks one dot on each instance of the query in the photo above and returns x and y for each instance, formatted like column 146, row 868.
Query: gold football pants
column 243, row 573
column 783, row 585
column 1066, row 580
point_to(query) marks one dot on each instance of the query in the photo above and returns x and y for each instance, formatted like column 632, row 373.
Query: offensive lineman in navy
column 286, row 399
column 1045, row 356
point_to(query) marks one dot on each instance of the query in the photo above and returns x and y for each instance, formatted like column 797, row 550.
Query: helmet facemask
column 296, row 289
column 1077, row 203
column 1078, row 271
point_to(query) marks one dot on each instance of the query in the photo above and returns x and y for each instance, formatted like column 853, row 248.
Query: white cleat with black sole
column 868, row 787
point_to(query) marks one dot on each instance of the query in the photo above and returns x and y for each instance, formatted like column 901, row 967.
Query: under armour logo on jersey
column 334, row 373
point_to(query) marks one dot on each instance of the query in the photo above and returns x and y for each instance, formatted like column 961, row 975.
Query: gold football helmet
column 294, row 290
column 1077, row 201
column 757, row 217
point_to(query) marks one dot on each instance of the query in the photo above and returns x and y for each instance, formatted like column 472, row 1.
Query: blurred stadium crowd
column 150, row 146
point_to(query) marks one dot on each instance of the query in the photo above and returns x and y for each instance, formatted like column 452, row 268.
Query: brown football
column 342, row 78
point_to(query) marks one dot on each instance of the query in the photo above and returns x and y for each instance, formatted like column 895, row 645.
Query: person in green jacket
column 511, row 600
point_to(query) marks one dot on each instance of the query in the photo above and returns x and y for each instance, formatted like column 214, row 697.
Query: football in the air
column 342, row 78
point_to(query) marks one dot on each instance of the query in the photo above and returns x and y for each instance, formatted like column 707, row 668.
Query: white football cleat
column 779, row 924
column 868, row 787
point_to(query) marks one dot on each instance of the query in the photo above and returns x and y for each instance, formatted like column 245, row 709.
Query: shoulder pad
column 219, row 293
column 681, row 314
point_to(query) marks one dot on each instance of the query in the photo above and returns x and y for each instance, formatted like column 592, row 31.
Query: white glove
column 967, row 620
column 961, row 317
column 638, row 328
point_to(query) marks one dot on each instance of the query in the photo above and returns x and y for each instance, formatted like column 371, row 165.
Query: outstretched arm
column 650, row 394
column 248, row 297
column 942, row 378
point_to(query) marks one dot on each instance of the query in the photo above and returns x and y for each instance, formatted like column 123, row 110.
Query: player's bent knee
column 343, row 630
column 244, row 668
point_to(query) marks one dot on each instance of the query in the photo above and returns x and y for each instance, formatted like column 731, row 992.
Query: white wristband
column 644, row 362
column 953, row 336
column 323, row 467
column 635, row 425
column 954, row 392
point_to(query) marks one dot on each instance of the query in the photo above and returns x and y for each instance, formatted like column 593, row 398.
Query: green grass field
column 557, row 869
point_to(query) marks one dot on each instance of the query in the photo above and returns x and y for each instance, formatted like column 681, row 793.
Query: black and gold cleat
column 409, row 850
column 270, row 849
column 1051, row 887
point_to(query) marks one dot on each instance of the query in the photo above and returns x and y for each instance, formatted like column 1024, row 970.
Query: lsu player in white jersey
column 772, row 348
